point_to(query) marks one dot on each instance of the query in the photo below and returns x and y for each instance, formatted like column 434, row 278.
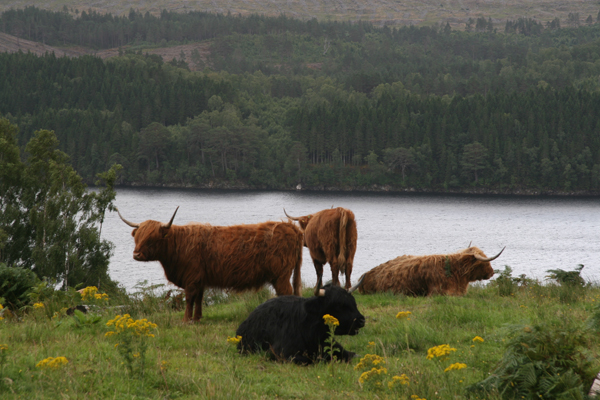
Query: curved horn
column 167, row 226
column 469, row 244
column 289, row 216
column 489, row 258
column 357, row 285
column 131, row 224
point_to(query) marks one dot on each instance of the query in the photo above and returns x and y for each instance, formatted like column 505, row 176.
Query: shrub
column 507, row 284
column 15, row 285
column 541, row 362
column 567, row 278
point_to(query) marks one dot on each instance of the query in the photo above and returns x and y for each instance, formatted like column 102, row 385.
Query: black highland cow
column 292, row 327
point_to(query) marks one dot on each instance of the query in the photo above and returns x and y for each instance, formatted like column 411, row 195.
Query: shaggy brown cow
column 240, row 257
column 426, row 275
column 330, row 236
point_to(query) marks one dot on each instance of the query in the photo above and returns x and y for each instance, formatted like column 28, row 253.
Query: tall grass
column 196, row 361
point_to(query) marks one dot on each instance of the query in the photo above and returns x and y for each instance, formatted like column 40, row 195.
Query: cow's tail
column 297, row 279
column 342, row 238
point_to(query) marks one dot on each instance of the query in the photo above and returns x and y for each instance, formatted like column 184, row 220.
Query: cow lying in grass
column 292, row 327
column 426, row 275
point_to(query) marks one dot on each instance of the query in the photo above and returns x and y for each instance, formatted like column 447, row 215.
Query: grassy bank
column 177, row 360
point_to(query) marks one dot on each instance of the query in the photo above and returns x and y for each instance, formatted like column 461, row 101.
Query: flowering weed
column 52, row 363
column 441, row 352
column 331, row 322
column 131, row 337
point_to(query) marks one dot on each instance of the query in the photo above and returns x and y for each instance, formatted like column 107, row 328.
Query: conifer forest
column 276, row 102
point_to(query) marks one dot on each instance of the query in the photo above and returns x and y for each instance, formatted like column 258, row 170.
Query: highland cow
column 448, row 274
column 292, row 327
column 240, row 257
column 330, row 236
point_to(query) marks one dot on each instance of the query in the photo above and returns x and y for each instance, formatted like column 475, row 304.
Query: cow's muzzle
column 356, row 325
column 139, row 256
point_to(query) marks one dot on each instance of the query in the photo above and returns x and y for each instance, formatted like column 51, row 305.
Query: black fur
column 292, row 327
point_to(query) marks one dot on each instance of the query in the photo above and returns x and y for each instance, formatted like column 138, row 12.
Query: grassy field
column 391, row 12
column 197, row 361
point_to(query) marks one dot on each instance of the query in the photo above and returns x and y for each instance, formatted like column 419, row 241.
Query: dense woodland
column 325, row 104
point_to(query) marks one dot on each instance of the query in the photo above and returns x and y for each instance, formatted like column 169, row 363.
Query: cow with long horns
column 448, row 274
column 240, row 257
column 292, row 327
column 330, row 236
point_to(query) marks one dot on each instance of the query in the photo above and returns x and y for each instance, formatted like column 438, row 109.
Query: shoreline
column 391, row 189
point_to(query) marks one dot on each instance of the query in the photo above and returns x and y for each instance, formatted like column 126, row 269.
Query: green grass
column 196, row 361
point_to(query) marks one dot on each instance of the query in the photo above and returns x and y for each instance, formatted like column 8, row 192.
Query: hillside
column 12, row 44
column 402, row 12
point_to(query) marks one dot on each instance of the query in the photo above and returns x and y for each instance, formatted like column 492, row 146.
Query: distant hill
column 391, row 12
column 12, row 44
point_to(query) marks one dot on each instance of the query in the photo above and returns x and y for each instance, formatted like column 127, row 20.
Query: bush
column 567, row 278
column 541, row 362
column 15, row 285
column 507, row 284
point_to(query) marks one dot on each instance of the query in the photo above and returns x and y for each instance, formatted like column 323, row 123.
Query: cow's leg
column 190, row 299
column 348, row 273
column 283, row 287
column 198, row 303
column 319, row 271
column 343, row 354
column 335, row 272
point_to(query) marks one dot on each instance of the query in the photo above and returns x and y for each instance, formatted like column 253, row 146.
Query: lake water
column 539, row 233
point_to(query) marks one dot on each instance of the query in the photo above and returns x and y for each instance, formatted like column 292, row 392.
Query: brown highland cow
column 426, row 275
column 240, row 257
column 330, row 236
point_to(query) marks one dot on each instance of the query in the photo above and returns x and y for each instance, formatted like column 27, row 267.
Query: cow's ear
column 133, row 232
column 313, row 306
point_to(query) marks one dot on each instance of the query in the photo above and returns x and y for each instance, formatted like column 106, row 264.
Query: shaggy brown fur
column 426, row 275
column 331, row 236
column 239, row 257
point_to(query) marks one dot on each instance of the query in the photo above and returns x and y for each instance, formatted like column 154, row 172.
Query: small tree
column 52, row 223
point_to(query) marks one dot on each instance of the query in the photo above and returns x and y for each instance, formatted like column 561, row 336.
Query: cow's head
column 148, row 236
column 476, row 265
column 340, row 303
column 303, row 221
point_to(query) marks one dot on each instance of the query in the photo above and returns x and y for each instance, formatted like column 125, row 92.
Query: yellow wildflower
column 3, row 347
column 52, row 363
column 164, row 365
column 330, row 320
column 125, row 323
column 403, row 314
column 369, row 361
column 88, row 293
column 365, row 376
column 442, row 351
column 402, row 380
column 455, row 366
column 38, row 305
column 234, row 340
column 415, row 397
column 101, row 296
column 478, row 339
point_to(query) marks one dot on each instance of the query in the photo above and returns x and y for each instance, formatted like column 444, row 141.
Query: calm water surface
column 539, row 233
